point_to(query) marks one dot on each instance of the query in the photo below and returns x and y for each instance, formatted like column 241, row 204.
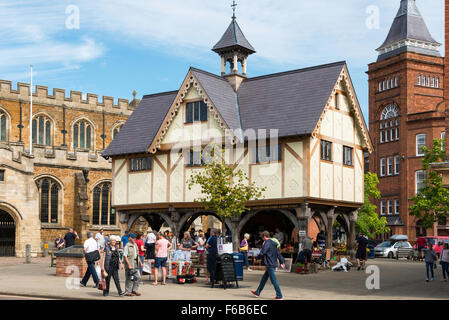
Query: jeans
column 90, row 271
column 270, row 273
column 445, row 267
column 245, row 258
column 142, row 258
column 429, row 265
column 113, row 274
column 132, row 280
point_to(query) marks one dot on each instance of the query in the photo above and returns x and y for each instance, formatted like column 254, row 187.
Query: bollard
column 28, row 253
column 45, row 251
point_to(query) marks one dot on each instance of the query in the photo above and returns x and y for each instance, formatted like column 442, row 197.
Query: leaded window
column 102, row 213
column 82, row 135
column 41, row 130
column 49, row 197
column 348, row 156
column 326, row 150
column 140, row 164
column 3, row 126
column 196, row 111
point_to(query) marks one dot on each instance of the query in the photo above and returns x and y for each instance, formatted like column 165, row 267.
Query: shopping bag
column 225, row 248
column 147, row 267
column 98, row 271
column 102, row 285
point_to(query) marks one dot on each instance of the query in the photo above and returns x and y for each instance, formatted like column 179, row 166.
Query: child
column 430, row 257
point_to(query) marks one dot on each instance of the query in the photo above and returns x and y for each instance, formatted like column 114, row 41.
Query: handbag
column 92, row 256
column 102, row 285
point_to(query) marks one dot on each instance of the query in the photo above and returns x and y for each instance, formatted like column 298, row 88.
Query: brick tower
column 406, row 111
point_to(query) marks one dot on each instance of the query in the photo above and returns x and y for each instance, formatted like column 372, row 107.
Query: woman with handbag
column 111, row 265
column 431, row 258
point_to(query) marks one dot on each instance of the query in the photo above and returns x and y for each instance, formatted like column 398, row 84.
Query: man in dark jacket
column 270, row 255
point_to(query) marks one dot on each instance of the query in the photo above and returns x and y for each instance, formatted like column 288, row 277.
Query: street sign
column 302, row 233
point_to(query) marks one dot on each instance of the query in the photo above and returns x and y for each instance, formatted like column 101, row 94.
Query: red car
column 437, row 243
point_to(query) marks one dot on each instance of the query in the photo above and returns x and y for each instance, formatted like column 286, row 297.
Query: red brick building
column 406, row 111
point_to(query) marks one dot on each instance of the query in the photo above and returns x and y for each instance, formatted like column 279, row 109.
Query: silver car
column 389, row 249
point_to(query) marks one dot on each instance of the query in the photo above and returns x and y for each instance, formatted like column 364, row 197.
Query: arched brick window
column 389, row 124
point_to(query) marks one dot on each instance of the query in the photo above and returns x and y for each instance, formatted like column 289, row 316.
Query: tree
column 368, row 221
column 432, row 201
column 225, row 190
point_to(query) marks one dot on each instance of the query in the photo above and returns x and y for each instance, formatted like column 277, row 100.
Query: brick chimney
column 446, row 71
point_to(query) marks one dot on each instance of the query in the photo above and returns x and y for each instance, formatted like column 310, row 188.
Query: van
column 437, row 243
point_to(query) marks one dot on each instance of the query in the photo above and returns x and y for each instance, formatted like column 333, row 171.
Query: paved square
column 398, row 280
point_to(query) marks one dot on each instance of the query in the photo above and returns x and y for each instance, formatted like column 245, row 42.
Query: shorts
column 361, row 254
column 308, row 255
column 160, row 262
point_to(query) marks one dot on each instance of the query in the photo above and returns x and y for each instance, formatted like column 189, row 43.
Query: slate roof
column 408, row 25
column 233, row 37
column 141, row 128
column 290, row 101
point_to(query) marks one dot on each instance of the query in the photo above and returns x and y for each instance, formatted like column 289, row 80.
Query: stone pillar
column 175, row 218
column 123, row 218
column 351, row 236
column 223, row 65
column 81, row 221
column 244, row 66
column 235, row 68
column 233, row 224
column 330, row 223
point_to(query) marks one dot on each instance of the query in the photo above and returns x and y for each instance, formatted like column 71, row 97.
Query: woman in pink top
column 162, row 247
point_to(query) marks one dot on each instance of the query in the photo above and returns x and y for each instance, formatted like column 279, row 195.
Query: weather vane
column 234, row 6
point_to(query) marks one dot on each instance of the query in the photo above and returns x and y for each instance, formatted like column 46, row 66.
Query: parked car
column 389, row 249
column 437, row 243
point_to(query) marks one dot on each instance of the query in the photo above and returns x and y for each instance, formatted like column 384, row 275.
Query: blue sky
column 148, row 45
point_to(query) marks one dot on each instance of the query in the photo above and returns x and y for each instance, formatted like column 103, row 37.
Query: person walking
column 212, row 253
column 125, row 239
column 308, row 247
column 111, row 265
column 92, row 255
column 70, row 238
column 150, row 244
column 162, row 248
column 132, row 262
column 430, row 257
column 444, row 261
column 59, row 242
column 362, row 243
column 244, row 248
column 100, row 240
column 141, row 247
column 270, row 255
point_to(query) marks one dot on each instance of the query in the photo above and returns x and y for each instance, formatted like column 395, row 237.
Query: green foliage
column 225, row 190
column 432, row 201
column 368, row 221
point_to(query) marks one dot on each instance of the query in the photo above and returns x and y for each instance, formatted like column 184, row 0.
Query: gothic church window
column 3, row 122
column 82, row 135
column 41, row 130
column 49, row 195
column 101, row 208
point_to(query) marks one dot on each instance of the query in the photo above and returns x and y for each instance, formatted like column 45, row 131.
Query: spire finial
column 234, row 6
column 134, row 94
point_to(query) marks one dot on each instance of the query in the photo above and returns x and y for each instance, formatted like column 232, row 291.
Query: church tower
column 234, row 49
column 406, row 112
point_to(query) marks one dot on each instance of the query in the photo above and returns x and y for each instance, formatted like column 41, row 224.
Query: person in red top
column 141, row 246
column 421, row 243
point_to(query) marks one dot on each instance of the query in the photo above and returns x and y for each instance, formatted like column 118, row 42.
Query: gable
column 349, row 114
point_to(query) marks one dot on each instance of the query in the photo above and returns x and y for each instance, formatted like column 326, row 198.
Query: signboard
column 302, row 233
column 46, row 246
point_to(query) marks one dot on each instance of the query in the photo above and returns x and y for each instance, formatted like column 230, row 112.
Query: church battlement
column 59, row 98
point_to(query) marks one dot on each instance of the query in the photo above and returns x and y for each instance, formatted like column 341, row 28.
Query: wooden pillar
column 330, row 223
column 303, row 222
column 351, row 237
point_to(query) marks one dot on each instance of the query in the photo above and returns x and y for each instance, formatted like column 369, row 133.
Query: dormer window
column 196, row 111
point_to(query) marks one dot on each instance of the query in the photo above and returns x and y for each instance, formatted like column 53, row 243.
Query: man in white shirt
column 150, row 245
column 90, row 245
column 100, row 239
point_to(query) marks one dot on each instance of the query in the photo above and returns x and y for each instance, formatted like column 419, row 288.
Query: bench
column 199, row 262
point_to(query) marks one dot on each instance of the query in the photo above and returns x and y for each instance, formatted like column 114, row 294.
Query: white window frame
column 390, row 166
column 382, row 207
column 419, row 145
column 419, row 80
column 381, row 136
column 382, row 167
column 437, row 82
column 396, row 164
column 417, row 173
column 396, row 206
column 390, row 207
column 443, row 137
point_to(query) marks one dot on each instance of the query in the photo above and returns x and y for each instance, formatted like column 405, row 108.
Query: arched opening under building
column 340, row 231
column 273, row 221
column 7, row 235
column 203, row 222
